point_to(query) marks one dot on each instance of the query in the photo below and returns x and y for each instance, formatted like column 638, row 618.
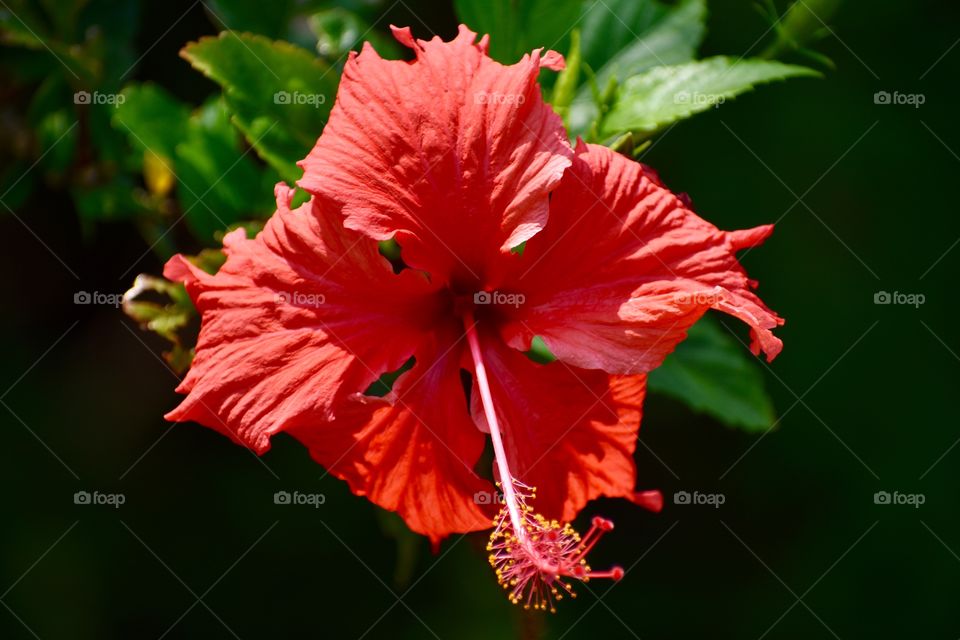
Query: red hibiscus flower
column 458, row 158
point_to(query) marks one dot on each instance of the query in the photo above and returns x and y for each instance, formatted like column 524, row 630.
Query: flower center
column 530, row 554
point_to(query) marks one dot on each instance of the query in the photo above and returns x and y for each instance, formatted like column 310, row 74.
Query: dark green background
column 867, row 394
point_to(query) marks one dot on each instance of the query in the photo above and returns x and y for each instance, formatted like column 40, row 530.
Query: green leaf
column 712, row 373
column 622, row 38
column 280, row 95
column 625, row 37
column 663, row 95
column 517, row 27
column 219, row 184
column 153, row 119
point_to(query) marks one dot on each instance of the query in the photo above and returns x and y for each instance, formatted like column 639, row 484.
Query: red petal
column 453, row 153
column 568, row 432
column 293, row 322
column 553, row 60
column 624, row 268
column 414, row 451
column 651, row 500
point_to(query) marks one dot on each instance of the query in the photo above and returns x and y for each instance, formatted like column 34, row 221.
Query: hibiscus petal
column 569, row 432
column 296, row 320
column 623, row 269
column 454, row 154
column 412, row 452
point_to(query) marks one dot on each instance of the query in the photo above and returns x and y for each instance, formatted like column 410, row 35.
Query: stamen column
column 500, row 453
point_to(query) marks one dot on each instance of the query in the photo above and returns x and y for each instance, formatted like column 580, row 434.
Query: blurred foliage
column 801, row 25
column 131, row 150
column 279, row 94
column 338, row 31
